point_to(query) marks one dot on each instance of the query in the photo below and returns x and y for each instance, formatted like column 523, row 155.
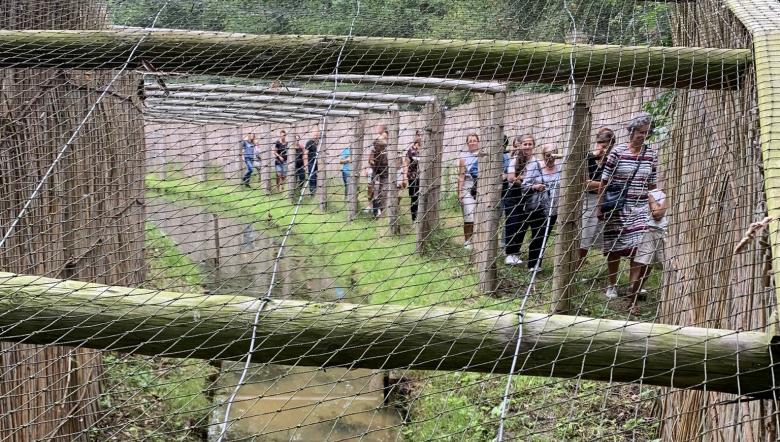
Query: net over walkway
column 389, row 220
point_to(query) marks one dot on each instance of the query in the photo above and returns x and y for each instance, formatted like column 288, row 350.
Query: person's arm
column 594, row 185
column 657, row 209
column 606, row 177
column 461, row 179
column 531, row 175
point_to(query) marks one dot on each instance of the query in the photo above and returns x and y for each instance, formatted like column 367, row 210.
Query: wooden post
column 391, row 193
column 486, row 217
column 570, row 199
column 430, row 173
column 291, row 177
column 266, row 157
column 570, row 192
column 169, row 324
column 217, row 250
column 356, row 155
column 322, row 166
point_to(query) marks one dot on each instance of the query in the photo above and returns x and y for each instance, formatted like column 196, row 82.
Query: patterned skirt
column 623, row 230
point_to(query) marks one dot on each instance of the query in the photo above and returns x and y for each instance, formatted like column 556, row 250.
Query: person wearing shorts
column 651, row 247
column 280, row 158
column 467, row 186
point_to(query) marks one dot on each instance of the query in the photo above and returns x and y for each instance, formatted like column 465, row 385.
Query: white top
column 662, row 223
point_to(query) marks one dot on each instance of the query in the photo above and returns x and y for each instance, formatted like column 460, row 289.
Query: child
column 651, row 247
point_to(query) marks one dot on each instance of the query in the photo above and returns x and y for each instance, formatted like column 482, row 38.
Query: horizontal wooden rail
column 290, row 56
column 41, row 310
column 284, row 91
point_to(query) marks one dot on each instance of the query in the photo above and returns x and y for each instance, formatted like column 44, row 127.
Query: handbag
column 615, row 195
column 532, row 201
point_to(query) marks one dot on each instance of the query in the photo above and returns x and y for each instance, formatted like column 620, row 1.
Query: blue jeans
column 345, row 178
column 249, row 168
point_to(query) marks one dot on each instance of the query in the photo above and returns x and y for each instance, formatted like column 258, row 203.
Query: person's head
column 417, row 136
column 282, row 135
column 639, row 128
column 381, row 130
column 550, row 154
column 416, row 144
column 525, row 144
column 472, row 141
column 315, row 133
column 605, row 140
column 249, row 136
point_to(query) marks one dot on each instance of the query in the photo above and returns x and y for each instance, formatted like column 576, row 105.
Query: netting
column 388, row 220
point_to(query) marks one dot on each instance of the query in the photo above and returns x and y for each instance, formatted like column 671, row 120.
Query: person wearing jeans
column 248, row 153
column 345, row 159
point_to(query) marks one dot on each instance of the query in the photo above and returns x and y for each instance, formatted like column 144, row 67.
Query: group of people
column 623, row 211
column 306, row 166
column 305, row 159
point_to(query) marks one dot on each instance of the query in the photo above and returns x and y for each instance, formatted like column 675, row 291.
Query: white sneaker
column 513, row 260
column 611, row 292
column 467, row 245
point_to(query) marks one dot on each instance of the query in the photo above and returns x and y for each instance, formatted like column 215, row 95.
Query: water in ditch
column 276, row 402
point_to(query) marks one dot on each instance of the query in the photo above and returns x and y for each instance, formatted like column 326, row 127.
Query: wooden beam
column 39, row 310
column 420, row 82
column 352, row 96
column 229, row 98
column 312, row 112
column 222, row 112
column 762, row 19
column 289, row 56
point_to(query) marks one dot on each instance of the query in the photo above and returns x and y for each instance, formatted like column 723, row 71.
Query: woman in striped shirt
column 632, row 166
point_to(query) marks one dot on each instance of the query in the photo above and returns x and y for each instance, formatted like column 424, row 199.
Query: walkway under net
column 389, row 220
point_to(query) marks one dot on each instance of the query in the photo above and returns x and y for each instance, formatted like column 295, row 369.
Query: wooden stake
column 571, row 190
column 486, row 218
column 430, row 174
column 391, row 193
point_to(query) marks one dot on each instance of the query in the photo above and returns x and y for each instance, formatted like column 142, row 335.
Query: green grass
column 381, row 268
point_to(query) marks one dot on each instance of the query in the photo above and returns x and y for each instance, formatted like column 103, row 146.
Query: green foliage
column 605, row 21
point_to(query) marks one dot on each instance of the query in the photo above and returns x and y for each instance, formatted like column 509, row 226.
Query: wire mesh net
column 395, row 220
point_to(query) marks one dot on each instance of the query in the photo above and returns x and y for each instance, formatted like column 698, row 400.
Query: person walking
column 412, row 175
column 300, row 163
column 280, row 159
column 520, row 155
column 591, row 227
column 630, row 172
column 541, row 181
column 468, row 172
column 248, row 155
column 377, row 160
column 345, row 159
column 311, row 156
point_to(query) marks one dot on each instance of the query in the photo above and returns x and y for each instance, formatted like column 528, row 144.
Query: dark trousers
column 300, row 175
column 515, row 219
column 536, row 222
column 249, row 168
column 312, row 169
column 414, row 196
